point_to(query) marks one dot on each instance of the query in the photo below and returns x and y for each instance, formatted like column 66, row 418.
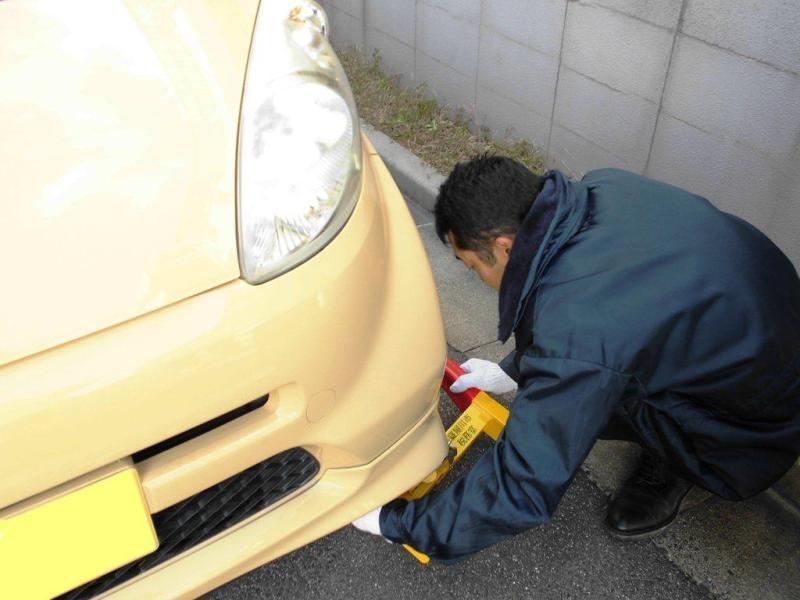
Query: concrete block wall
column 704, row 94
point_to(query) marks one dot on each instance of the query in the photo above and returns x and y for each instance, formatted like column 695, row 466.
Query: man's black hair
column 484, row 198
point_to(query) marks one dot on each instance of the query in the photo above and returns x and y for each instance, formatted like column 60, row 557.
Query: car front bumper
column 349, row 346
column 334, row 500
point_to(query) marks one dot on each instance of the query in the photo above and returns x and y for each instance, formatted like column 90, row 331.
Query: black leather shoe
column 648, row 502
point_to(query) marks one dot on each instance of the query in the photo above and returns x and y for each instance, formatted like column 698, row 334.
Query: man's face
column 490, row 274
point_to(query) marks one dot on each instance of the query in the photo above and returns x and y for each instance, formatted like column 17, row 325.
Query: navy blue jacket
column 642, row 300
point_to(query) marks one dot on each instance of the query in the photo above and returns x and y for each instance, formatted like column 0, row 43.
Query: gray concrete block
column 537, row 25
column 468, row 10
column 346, row 31
column 397, row 58
column 518, row 73
column 620, row 123
column 450, row 40
column 664, row 13
column 446, row 84
column 733, row 177
column 507, row 119
column 395, row 18
column 575, row 155
column 354, row 8
column 766, row 30
column 739, row 98
column 622, row 52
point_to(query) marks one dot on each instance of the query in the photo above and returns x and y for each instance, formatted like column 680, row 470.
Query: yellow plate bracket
column 58, row 544
column 484, row 415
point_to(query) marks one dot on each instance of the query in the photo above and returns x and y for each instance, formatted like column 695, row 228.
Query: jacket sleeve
column 560, row 408
column 507, row 364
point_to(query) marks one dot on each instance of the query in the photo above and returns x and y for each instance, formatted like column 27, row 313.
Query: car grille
column 212, row 511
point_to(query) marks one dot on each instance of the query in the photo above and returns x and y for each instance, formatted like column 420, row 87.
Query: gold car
column 220, row 337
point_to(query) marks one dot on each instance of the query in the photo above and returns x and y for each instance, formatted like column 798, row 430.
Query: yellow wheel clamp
column 480, row 413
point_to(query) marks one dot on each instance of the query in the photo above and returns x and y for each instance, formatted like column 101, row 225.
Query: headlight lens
column 299, row 159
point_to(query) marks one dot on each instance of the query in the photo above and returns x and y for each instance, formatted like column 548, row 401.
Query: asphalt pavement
column 716, row 549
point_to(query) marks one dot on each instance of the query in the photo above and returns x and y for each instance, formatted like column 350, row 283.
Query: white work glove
column 484, row 375
column 370, row 523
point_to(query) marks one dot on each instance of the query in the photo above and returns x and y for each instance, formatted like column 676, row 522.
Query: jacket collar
column 556, row 214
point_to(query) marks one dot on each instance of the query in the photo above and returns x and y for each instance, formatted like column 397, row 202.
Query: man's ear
column 504, row 243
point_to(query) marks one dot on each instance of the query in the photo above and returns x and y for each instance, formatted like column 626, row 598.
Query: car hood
column 117, row 161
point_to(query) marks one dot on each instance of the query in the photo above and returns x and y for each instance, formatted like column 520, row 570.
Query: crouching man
column 640, row 312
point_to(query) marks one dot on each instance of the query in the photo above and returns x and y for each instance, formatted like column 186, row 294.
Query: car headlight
column 299, row 167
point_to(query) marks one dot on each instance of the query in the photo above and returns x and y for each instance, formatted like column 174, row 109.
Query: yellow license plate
column 74, row 538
